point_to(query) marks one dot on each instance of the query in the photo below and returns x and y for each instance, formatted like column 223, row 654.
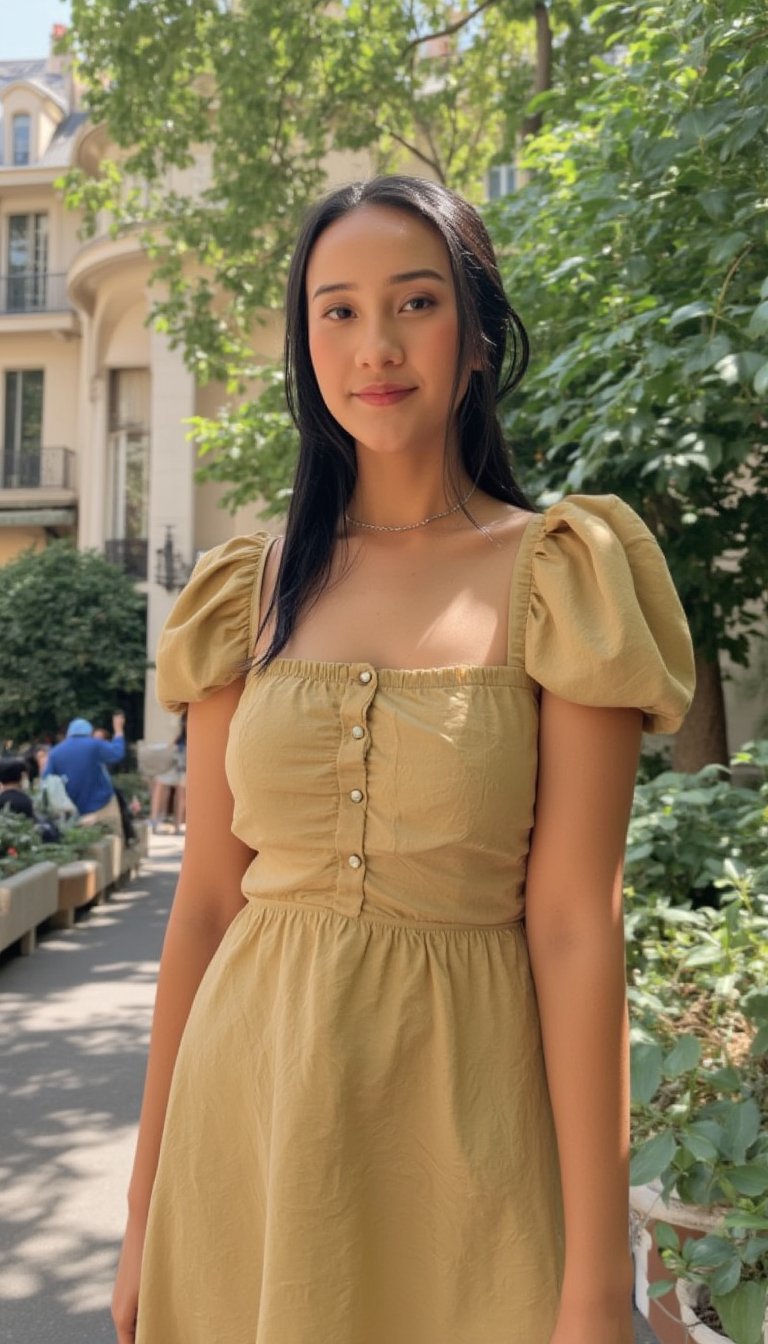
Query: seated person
column 80, row 760
column 14, row 798
column 13, row 795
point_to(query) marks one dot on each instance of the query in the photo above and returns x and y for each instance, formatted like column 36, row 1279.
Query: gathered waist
column 308, row 908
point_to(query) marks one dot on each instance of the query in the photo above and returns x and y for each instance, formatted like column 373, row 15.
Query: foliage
column 684, row 827
column 21, row 844
column 74, row 634
column 223, row 117
column 699, row 1030
column 638, row 255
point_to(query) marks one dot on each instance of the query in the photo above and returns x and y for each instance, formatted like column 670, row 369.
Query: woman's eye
column 421, row 302
column 338, row 312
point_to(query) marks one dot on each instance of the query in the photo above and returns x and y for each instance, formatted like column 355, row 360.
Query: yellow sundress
column 359, row 1145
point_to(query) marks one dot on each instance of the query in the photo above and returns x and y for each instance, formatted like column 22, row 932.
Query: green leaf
column 750, row 1178
column 646, row 1070
column 709, row 1251
column 701, row 1148
column 758, row 322
column 683, row 1057
column 726, row 1276
column 666, row 1237
column 742, row 1312
column 760, row 381
column 749, row 1221
column 689, row 311
column 660, row 1288
column 741, row 1127
column 652, row 1158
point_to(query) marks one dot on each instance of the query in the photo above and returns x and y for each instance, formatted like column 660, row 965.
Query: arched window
column 22, row 139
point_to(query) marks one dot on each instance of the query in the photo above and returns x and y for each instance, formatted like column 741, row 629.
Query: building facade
column 93, row 401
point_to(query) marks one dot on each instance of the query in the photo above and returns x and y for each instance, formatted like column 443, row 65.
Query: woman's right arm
column 208, row 896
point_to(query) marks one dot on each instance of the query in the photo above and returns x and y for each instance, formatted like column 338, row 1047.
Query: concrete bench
column 26, row 900
column 80, row 883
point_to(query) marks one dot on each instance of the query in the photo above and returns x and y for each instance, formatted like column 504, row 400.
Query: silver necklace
column 409, row 527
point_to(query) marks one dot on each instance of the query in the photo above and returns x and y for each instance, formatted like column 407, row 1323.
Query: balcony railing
column 34, row 292
column 129, row 554
column 38, row 469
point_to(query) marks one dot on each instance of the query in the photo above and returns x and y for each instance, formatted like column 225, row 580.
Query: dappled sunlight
column 74, row 1035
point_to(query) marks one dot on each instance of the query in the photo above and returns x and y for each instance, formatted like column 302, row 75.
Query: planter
column 26, row 899
column 103, row 853
column 647, row 1208
column 672, row 1318
column 79, row 885
column 687, row 1295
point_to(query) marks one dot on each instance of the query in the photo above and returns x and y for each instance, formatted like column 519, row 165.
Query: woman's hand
column 125, row 1296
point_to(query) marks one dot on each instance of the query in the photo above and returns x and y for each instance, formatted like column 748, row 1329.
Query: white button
column 358, row 732
column 356, row 795
column 355, row 861
column 365, row 677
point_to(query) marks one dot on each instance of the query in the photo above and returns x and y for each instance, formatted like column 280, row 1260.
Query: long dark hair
column 489, row 329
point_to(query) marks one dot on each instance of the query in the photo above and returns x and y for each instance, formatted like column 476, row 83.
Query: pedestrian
column 171, row 782
column 389, row 1052
column 81, row 760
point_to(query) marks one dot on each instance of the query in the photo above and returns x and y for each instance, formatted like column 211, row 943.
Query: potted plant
column 698, row 975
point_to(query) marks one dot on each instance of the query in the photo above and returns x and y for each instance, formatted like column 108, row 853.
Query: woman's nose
column 378, row 346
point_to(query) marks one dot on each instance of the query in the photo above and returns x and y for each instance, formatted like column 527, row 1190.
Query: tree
column 257, row 92
column 639, row 256
column 74, row 633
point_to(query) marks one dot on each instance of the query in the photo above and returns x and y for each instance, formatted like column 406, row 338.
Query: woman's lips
column 383, row 396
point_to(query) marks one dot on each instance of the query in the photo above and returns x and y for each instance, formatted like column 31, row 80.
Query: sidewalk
column 74, row 1031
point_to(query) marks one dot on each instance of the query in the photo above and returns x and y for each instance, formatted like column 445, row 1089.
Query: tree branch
column 452, row 27
column 413, row 149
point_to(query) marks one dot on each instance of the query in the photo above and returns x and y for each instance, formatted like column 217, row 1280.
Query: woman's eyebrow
column 404, row 277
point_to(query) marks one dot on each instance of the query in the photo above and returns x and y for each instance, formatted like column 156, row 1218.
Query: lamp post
column 171, row 570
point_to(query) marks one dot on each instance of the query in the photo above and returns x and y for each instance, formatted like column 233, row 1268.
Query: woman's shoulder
column 208, row 635
column 605, row 623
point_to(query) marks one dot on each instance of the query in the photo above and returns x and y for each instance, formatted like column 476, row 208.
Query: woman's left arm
column 574, row 921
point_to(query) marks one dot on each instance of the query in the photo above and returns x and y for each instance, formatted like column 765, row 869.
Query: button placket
column 352, row 781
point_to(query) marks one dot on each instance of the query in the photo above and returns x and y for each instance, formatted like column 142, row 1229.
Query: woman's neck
column 395, row 491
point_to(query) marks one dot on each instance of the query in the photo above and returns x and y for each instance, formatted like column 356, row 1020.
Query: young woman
column 386, row 1099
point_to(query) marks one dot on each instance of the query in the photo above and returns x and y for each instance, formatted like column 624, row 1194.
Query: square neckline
column 339, row 670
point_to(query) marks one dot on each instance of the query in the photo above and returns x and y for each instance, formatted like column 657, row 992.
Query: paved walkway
column 74, row 1032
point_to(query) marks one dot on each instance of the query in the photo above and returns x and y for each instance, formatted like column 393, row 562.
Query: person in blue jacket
column 82, row 760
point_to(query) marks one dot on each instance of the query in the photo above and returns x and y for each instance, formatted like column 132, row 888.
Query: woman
column 398, row 1113
column 173, row 780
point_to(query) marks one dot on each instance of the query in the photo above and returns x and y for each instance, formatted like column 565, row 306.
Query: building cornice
column 98, row 258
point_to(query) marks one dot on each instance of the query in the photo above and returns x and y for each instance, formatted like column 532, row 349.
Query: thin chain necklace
column 409, row 527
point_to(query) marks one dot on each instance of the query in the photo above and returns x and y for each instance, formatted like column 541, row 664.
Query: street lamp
column 171, row 571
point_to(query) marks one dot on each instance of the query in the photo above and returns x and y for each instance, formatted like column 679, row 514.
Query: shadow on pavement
column 74, row 1031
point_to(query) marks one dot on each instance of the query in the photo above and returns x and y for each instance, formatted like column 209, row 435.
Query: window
column 501, row 181
column 22, row 138
column 23, row 428
column 27, row 263
column 129, row 455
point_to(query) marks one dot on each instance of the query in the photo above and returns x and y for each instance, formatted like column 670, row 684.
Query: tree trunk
column 703, row 738
column 532, row 125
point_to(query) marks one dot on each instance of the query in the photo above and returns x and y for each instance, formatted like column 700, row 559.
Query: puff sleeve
column 207, row 636
column 605, row 625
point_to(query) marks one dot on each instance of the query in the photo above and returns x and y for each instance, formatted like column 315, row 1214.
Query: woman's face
column 383, row 328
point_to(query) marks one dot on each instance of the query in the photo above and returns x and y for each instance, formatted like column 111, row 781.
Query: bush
column 21, row 844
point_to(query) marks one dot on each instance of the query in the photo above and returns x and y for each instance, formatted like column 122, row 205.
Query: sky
column 25, row 27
